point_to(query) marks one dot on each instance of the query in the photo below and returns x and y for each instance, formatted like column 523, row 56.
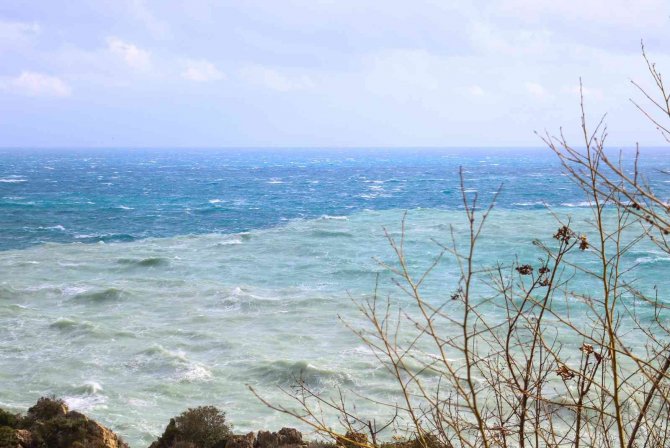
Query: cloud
column 585, row 91
column 14, row 35
column 537, row 90
column 476, row 91
column 36, row 84
column 201, row 71
column 141, row 12
column 405, row 74
column 651, row 13
column 133, row 56
column 275, row 80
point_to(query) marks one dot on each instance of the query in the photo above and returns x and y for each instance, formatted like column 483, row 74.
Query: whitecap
column 576, row 204
column 195, row 372
column 57, row 227
column 651, row 260
column 85, row 403
column 11, row 180
column 334, row 218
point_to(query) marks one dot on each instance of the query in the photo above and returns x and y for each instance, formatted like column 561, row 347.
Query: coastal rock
column 245, row 441
column 285, row 437
column 47, row 408
column 49, row 423
column 24, row 437
column 353, row 440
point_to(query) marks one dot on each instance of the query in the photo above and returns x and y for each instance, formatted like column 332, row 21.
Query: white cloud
column 585, row 91
column 36, row 84
column 275, row 80
column 622, row 13
column 201, row 71
column 493, row 38
column 14, row 35
column 405, row 74
column 476, row 91
column 141, row 12
column 537, row 90
column 133, row 56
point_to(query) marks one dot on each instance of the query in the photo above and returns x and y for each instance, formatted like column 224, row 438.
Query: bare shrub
column 467, row 377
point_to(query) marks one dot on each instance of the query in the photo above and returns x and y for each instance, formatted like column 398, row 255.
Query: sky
column 323, row 73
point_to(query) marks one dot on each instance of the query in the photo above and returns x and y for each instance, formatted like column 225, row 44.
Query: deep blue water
column 134, row 332
column 124, row 195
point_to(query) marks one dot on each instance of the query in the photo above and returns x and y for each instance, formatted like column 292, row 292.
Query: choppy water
column 138, row 283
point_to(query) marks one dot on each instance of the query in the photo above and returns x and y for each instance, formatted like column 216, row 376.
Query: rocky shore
column 51, row 424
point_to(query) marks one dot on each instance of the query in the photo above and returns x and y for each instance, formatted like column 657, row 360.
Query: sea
column 136, row 283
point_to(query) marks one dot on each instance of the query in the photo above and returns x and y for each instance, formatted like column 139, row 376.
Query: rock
column 285, row 437
column 290, row 436
column 245, row 441
column 169, row 437
column 49, row 423
column 24, row 437
column 47, row 408
column 266, row 439
column 353, row 440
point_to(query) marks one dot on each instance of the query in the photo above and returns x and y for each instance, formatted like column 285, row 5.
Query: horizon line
column 362, row 147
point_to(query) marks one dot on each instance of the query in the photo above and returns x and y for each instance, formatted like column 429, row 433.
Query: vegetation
column 50, row 424
column 467, row 379
column 201, row 427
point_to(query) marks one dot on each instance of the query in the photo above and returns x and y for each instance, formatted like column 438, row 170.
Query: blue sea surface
column 137, row 283
column 125, row 195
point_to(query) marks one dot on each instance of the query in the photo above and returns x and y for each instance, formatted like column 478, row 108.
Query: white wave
column 58, row 227
column 576, row 204
column 88, row 397
column 528, row 204
column 229, row 242
column 86, row 402
column 12, row 180
column 651, row 260
column 275, row 180
column 92, row 387
column 216, row 201
column 124, row 207
column 74, row 290
column 335, row 218
column 194, row 373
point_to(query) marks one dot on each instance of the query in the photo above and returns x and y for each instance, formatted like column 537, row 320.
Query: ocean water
column 137, row 283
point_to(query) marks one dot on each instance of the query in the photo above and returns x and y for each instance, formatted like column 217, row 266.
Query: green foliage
column 201, row 427
column 9, row 419
column 47, row 408
column 8, row 437
column 59, row 432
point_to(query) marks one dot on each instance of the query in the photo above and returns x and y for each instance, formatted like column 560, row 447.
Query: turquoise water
column 137, row 283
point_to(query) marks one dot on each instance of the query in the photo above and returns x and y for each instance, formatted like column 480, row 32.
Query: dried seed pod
column 524, row 269
column 565, row 373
